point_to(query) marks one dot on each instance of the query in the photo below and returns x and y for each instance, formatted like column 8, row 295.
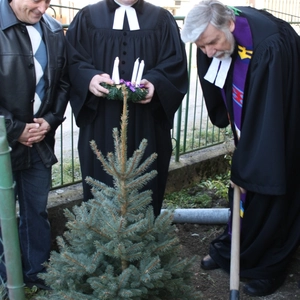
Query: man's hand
column 97, row 89
column 34, row 132
column 243, row 191
column 150, row 87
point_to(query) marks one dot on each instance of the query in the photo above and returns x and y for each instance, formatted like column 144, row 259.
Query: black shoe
column 207, row 263
column 263, row 287
column 39, row 283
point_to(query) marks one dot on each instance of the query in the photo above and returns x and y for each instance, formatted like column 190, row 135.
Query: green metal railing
column 192, row 129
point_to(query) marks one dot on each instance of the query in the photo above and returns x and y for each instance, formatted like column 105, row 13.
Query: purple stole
column 243, row 37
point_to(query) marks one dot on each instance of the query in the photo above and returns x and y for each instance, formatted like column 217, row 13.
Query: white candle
column 134, row 72
column 115, row 75
column 140, row 73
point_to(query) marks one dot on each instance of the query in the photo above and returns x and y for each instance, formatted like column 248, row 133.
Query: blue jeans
column 32, row 189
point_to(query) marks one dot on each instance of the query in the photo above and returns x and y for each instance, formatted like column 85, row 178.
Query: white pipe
column 201, row 215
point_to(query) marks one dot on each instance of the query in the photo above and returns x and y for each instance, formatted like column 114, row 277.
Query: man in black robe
column 97, row 36
column 248, row 65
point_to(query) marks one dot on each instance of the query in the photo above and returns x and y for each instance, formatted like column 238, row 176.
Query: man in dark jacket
column 33, row 99
column 248, row 65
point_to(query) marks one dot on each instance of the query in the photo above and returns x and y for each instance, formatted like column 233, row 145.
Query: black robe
column 92, row 47
column 266, row 161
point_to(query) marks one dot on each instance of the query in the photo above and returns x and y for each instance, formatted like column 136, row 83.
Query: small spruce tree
column 114, row 247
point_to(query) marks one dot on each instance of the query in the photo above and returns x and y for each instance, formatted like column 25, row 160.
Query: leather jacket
column 18, row 81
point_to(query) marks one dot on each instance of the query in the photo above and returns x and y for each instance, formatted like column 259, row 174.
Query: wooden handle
column 235, row 242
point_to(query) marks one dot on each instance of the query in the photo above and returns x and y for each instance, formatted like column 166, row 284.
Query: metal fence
column 192, row 128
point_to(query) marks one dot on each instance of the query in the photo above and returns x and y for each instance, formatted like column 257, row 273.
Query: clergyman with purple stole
column 248, row 66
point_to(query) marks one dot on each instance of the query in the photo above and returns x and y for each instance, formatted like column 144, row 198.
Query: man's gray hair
column 204, row 13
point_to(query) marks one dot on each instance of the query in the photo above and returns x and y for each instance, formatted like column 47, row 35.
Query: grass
column 30, row 294
column 201, row 138
column 66, row 172
column 200, row 195
column 219, row 185
column 34, row 292
column 184, row 199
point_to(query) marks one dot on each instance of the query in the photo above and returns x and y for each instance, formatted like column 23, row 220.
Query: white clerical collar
column 217, row 71
column 131, row 16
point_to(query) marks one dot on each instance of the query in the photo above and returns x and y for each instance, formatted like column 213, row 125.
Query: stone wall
column 198, row 165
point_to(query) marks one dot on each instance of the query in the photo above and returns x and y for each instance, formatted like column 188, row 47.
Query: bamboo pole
column 8, row 220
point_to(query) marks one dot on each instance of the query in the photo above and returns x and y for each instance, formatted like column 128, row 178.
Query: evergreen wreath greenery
column 134, row 94
column 114, row 247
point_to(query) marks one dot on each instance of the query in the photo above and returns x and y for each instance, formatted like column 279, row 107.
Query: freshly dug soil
column 215, row 284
